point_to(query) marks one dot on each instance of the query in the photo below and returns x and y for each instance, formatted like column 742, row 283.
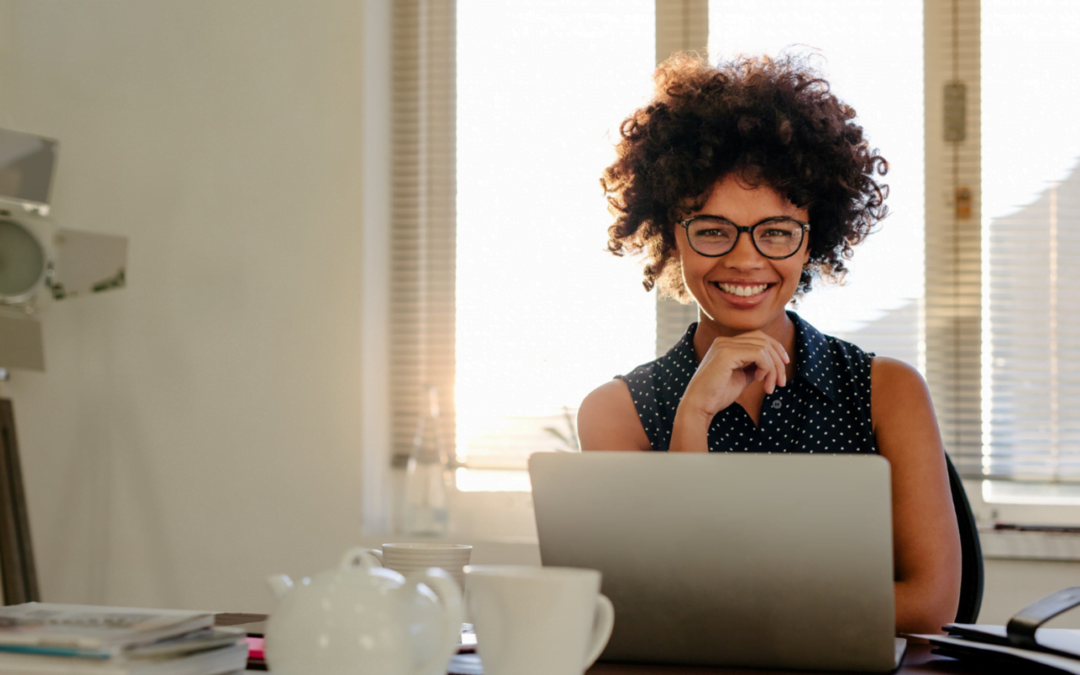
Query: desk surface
column 918, row 661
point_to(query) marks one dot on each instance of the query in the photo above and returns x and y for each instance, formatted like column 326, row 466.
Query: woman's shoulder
column 891, row 384
column 608, row 419
column 895, row 379
column 647, row 395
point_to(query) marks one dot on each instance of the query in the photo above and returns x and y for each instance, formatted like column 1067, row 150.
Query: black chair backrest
column 971, row 575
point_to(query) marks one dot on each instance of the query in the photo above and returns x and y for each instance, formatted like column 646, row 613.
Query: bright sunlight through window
column 544, row 313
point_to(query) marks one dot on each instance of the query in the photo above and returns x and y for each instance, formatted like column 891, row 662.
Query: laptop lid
column 780, row 561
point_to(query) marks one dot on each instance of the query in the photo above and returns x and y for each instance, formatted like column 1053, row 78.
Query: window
column 542, row 87
column 1031, row 230
column 505, row 114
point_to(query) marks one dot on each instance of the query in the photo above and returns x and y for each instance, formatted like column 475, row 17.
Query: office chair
column 971, row 561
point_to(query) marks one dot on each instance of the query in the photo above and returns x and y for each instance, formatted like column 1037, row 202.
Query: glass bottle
column 428, row 475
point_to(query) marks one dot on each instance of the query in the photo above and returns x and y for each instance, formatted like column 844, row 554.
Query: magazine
column 86, row 630
column 210, row 662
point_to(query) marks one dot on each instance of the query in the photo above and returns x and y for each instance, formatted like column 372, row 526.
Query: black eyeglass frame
column 739, row 229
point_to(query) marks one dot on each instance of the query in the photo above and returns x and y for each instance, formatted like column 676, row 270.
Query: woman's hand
column 730, row 366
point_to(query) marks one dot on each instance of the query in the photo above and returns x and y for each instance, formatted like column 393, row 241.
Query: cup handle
column 602, row 625
column 446, row 589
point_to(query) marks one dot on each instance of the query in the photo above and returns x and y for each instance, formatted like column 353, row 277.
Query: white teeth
column 743, row 291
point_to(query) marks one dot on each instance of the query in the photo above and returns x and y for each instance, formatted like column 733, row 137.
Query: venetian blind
column 1031, row 149
column 423, row 189
column 953, row 257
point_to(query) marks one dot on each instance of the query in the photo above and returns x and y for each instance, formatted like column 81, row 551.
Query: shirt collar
column 814, row 361
column 813, row 357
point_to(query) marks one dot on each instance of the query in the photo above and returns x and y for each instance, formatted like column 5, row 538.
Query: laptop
column 729, row 559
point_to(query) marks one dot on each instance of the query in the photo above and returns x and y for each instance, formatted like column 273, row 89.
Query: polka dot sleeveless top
column 824, row 408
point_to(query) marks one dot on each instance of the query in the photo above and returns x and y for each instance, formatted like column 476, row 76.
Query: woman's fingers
column 775, row 369
column 765, row 356
column 776, row 350
column 758, row 362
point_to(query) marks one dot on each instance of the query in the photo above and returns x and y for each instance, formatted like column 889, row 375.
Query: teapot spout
column 280, row 584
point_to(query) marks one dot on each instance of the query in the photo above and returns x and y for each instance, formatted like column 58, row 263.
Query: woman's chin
column 741, row 320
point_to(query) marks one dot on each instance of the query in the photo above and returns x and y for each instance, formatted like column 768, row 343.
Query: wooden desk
column 918, row 661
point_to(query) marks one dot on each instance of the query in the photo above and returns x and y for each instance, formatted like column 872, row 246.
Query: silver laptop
column 769, row 561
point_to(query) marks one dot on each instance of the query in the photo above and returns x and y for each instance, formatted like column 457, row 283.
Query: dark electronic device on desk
column 756, row 560
column 1022, row 643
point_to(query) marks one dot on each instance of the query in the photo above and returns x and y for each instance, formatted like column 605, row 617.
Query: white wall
column 200, row 428
column 1012, row 585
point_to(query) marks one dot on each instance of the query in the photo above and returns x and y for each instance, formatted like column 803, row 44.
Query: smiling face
column 743, row 290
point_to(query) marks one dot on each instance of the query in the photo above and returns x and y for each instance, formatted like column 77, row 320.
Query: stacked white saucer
column 406, row 558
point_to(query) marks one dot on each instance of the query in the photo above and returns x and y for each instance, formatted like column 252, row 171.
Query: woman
column 740, row 185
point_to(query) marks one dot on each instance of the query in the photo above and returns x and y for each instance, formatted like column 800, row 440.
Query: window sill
column 997, row 544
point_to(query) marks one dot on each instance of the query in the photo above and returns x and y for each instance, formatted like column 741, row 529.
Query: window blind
column 422, row 214
column 1034, row 340
column 681, row 25
column 953, row 256
column 1032, row 243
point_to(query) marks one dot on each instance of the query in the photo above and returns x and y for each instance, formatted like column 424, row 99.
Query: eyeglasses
column 776, row 238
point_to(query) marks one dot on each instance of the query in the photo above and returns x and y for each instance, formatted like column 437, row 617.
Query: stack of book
column 49, row 639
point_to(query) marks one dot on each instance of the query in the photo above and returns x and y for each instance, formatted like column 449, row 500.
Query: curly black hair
column 768, row 121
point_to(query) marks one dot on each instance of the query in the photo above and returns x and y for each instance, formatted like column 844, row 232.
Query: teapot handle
column 361, row 557
column 449, row 594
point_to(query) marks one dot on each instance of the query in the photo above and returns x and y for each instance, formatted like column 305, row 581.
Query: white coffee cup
column 407, row 558
column 537, row 620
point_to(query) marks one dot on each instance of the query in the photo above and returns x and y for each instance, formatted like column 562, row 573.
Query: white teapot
column 363, row 618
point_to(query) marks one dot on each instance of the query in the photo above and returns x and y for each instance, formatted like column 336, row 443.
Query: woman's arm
column 608, row 420
column 926, row 542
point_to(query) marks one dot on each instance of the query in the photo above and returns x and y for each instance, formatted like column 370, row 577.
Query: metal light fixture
column 39, row 263
column 36, row 256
